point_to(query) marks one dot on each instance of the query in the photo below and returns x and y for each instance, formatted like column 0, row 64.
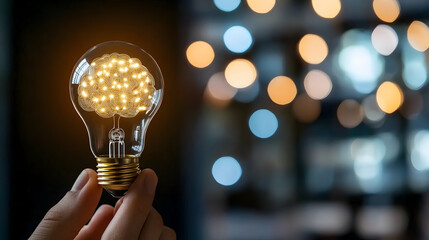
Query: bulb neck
column 117, row 174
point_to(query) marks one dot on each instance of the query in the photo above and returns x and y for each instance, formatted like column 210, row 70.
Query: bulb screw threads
column 117, row 174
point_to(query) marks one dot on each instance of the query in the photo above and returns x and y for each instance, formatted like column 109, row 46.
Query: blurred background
column 282, row 119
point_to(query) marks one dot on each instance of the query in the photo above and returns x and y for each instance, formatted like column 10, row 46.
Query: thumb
column 67, row 217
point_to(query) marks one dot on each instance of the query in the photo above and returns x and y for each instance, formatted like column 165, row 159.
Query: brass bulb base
column 117, row 174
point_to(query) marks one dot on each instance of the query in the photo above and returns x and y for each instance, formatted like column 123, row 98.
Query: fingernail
column 80, row 181
column 150, row 183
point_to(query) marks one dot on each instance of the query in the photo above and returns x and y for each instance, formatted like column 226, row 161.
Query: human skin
column 132, row 218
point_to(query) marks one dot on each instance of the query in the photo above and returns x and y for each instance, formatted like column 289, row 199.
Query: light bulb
column 116, row 88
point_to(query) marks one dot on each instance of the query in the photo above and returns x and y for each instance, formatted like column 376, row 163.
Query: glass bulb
column 116, row 88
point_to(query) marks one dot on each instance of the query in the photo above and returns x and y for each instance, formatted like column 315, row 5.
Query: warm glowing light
column 384, row 39
column 261, row 6
column 306, row 109
column 313, row 49
column 240, row 73
column 282, row 90
column 350, row 113
column 94, row 97
column 219, row 88
column 386, row 10
column 389, row 97
column 326, row 8
column 200, row 54
column 418, row 36
column 317, row 84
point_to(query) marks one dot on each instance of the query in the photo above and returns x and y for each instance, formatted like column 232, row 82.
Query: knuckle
column 170, row 234
column 157, row 217
column 58, row 212
column 54, row 215
column 142, row 209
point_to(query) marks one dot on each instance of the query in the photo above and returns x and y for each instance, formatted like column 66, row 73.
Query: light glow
column 94, row 96
column 263, row 123
column 386, row 10
column 261, row 6
column 326, row 8
column 350, row 113
column 227, row 5
column 306, row 109
column 389, row 97
column 219, row 88
column 317, row 84
column 384, row 39
column 226, row 171
column 237, row 39
column 240, row 73
column 282, row 90
column 418, row 36
column 313, row 49
column 200, row 54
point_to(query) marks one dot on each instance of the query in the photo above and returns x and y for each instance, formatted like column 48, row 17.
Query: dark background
column 48, row 140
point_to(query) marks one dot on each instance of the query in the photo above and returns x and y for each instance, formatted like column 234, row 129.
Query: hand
column 132, row 218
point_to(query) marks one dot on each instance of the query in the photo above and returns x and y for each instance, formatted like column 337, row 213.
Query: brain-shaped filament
column 116, row 84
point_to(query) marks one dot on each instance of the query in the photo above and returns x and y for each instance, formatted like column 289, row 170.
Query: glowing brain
column 116, row 84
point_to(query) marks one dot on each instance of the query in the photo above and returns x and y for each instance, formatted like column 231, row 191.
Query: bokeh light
column 240, row 73
column 372, row 111
column 350, row 113
column 282, row 90
column 386, row 10
column 414, row 70
column 384, row 39
column 420, row 150
column 219, row 88
column 362, row 65
column 317, row 84
column 414, row 74
column 306, row 109
column 261, row 6
column 263, row 123
column 313, row 49
column 227, row 5
column 226, row 171
column 367, row 155
column 418, row 36
column 326, row 8
column 200, row 54
column 389, row 97
column 237, row 39
column 215, row 102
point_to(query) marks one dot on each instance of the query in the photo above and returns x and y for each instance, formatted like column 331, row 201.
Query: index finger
column 129, row 219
